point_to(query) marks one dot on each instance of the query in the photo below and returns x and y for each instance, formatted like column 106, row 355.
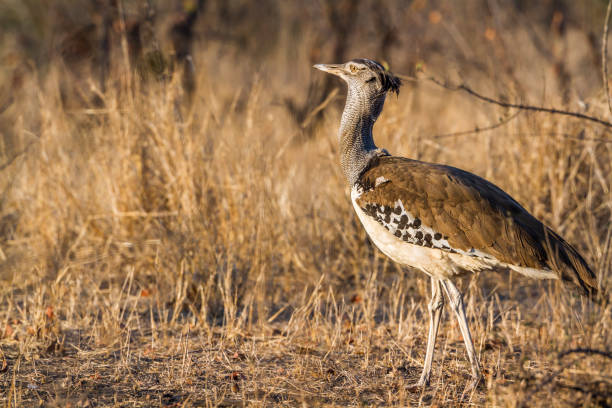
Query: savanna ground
column 175, row 230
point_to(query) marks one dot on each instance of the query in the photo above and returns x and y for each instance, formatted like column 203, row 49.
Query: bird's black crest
column 389, row 81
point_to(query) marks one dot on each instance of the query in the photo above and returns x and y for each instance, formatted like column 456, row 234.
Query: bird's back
column 454, row 211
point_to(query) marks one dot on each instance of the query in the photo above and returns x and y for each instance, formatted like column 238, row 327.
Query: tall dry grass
column 159, row 253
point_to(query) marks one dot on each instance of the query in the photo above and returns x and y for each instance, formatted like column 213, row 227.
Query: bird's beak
column 335, row 69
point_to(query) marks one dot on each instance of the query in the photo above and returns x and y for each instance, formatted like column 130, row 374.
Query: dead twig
column 568, row 136
column 470, row 91
column 465, row 88
column 319, row 108
column 477, row 129
column 606, row 354
column 548, row 379
column 554, row 111
column 604, row 55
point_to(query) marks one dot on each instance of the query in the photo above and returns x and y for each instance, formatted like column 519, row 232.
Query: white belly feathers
column 440, row 261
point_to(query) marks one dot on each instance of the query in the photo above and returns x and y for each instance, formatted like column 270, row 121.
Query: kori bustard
column 439, row 219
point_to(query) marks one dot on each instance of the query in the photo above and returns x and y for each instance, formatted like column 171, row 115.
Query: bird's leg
column 435, row 311
column 456, row 301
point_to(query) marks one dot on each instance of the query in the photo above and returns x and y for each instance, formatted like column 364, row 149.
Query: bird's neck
column 356, row 141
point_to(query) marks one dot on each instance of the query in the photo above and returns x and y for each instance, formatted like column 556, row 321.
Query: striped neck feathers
column 356, row 141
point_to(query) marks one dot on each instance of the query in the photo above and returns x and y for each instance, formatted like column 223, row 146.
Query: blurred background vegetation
column 280, row 41
column 172, row 164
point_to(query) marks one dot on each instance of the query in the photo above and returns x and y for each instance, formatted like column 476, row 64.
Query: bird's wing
column 470, row 214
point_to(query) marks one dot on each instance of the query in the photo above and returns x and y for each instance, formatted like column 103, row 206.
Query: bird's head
column 365, row 75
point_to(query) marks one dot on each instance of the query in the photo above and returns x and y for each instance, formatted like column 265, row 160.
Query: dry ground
column 154, row 253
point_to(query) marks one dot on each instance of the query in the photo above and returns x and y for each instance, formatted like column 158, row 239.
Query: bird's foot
column 471, row 386
column 422, row 383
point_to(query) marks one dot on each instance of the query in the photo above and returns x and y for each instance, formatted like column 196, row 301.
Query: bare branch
column 487, row 99
column 552, row 376
column 578, row 138
column 477, row 129
column 319, row 108
column 586, row 351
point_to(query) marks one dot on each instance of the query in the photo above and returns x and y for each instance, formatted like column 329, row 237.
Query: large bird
column 441, row 220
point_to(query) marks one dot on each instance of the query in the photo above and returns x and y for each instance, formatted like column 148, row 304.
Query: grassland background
column 176, row 231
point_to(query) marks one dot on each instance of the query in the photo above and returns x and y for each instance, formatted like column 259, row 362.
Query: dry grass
column 156, row 254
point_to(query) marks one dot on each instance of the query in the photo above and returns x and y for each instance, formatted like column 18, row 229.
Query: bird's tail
column 570, row 265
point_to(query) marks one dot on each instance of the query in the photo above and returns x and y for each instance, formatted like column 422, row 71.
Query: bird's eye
column 353, row 68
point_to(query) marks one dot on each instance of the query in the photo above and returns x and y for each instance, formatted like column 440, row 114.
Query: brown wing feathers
column 472, row 213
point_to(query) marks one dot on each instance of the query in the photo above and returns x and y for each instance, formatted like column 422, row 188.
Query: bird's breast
column 405, row 240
